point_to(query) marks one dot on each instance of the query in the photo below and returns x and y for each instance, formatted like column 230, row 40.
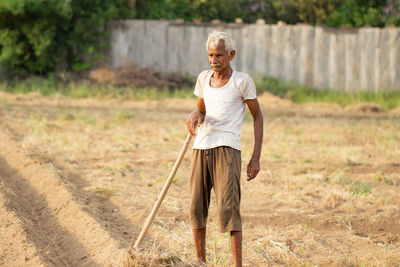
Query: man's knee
column 225, row 213
column 229, row 219
column 198, row 217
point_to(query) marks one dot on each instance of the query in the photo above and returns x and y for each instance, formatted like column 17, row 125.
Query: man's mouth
column 215, row 65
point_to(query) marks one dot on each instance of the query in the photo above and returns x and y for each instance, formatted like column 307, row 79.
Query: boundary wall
column 326, row 58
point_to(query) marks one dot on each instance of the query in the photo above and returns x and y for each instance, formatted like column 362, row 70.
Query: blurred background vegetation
column 36, row 36
column 44, row 41
column 334, row 13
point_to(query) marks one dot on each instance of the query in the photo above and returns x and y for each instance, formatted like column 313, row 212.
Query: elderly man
column 222, row 94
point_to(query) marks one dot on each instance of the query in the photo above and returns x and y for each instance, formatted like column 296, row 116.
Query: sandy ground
column 79, row 177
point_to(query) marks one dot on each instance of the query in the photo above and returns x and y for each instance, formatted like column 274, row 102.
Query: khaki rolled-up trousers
column 217, row 168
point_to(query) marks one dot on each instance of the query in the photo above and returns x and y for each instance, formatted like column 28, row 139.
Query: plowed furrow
column 59, row 230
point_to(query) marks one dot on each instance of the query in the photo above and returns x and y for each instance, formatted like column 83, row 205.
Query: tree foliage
column 357, row 13
column 391, row 13
column 353, row 13
column 35, row 35
column 225, row 10
column 315, row 11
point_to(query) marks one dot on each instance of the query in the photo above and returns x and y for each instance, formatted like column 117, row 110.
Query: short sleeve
column 198, row 89
column 248, row 90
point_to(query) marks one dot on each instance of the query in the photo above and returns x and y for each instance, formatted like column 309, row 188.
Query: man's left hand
column 252, row 169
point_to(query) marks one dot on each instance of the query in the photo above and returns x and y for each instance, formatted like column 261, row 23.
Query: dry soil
column 79, row 176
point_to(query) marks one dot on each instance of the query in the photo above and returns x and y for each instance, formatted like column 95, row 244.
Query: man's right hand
column 195, row 118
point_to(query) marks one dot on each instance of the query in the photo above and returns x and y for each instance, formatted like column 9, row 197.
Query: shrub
column 35, row 35
column 358, row 13
column 391, row 13
column 28, row 33
column 164, row 9
column 353, row 13
column 225, row 10
column 315, row 11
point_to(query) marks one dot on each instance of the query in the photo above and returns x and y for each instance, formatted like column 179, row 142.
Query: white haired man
column 216, row 161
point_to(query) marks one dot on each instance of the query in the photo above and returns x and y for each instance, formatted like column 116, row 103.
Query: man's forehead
column 219, row 48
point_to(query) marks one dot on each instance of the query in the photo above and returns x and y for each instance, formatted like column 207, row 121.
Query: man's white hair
column 215, row 36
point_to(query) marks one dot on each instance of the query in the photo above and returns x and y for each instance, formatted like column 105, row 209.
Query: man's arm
column 254, row 165
column 196, row 117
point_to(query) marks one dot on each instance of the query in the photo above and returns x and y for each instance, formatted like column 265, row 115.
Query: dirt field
column 79, row 177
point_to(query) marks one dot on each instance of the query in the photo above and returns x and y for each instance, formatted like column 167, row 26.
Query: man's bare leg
column 236, row 241
column 199, row 236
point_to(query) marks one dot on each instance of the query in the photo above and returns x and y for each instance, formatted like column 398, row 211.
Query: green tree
column 35, row 35
column 225, row 10
column 205, row 10
column 269, row 10
column 315, row 11
column 391, row 13
column 163, row 9
column 358, row 13
column 86, row 31
column 27, row 33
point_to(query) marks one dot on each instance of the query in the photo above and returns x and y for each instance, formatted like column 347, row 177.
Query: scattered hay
column 152, row 257
column 333, row 200
column 318, row 221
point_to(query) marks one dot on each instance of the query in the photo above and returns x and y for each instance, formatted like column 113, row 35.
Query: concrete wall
column 340, row 59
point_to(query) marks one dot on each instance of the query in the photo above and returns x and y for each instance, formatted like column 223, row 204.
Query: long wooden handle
column 163, row 192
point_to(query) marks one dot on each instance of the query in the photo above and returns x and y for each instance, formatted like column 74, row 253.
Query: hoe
column 163, row 193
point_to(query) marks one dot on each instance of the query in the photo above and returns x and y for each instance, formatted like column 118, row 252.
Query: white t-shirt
column 225, row 109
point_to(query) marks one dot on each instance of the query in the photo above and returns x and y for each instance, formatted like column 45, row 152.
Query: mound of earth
column 269, row 100
column 133, row 76
column 366, row 108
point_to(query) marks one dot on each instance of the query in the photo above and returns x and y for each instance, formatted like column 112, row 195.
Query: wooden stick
column 163, row 193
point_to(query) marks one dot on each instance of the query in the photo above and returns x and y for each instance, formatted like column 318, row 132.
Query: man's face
column 218, row 58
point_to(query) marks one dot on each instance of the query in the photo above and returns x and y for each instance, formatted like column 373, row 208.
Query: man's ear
column 232, row 54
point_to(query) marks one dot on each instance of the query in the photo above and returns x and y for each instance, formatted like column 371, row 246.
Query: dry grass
column 327, row 194
column 152, row 257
